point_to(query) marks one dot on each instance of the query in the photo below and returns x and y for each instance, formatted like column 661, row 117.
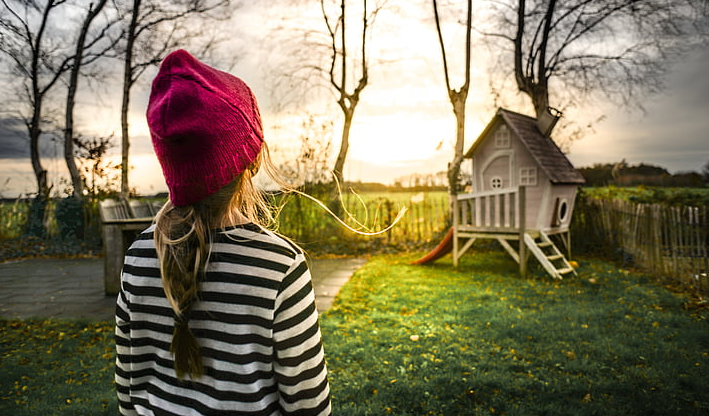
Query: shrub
column 69, row 214
column 34, row 227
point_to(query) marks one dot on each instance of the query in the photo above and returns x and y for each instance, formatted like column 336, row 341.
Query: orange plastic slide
column 443, row 248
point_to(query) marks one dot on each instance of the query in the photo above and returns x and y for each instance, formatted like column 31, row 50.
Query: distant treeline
column 396, row 187
column 623, row 174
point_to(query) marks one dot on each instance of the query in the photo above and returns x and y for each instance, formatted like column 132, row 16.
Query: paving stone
column 73, row 288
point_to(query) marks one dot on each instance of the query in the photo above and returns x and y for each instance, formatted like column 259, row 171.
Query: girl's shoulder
column 255, row 236
column 145, row 238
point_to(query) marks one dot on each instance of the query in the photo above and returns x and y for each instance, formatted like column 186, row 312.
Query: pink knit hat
column 205, row 127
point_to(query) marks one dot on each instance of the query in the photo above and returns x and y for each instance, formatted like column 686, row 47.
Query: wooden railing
column 499, row 215
column 501, row 211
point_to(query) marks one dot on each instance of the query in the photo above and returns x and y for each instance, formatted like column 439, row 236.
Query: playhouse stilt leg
column 523, row 258
column 522, row 231
column 455, row 249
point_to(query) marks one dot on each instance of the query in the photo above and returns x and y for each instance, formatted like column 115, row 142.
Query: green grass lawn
column 419, row 340
column 56, row 368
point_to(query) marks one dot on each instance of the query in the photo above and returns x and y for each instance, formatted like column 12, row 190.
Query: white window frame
column 562, row 213
column 496, row 182
column 528, row 176
column 502, row 137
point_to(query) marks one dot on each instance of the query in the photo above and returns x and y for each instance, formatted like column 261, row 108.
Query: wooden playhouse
column 523, row 190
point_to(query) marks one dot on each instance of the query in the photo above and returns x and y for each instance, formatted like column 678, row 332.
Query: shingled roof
column 542, row 148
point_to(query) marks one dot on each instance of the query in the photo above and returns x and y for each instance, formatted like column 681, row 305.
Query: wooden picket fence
column 668, row 241
column 425, row 219
column 422, row 222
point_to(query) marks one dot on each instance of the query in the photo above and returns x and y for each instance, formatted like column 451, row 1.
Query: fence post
column 656, row 229
column 704, row 242
column 454, row 203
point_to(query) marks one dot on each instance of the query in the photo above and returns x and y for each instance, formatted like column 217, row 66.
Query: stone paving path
column 73, row 288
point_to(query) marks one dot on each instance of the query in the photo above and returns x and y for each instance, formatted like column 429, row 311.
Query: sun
column 396, row 138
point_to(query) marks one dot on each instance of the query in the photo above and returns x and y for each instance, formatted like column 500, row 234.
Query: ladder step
column 555, row 257
column 566, row 270
column 544, row 244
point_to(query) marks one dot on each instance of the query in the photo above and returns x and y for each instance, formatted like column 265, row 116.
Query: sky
column 404, row 123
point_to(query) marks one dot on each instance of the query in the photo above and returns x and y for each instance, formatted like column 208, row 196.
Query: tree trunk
column 536, row 87
column 35, row 219
column 69, row 134
column 71, row 100
column 125, row 103
column 39, row 172
column 540, row 99
column 34, row 227
column 458, row 100
column 344, row 146
column 125, row 140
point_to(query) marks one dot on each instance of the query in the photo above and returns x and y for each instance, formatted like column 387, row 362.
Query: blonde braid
column 182, row 243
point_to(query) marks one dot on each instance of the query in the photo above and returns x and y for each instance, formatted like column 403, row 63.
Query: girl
column 216, row 314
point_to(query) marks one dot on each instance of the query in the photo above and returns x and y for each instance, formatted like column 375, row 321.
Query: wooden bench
column 121, row 222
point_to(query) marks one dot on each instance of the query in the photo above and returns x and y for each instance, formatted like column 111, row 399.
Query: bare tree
column 38, row 61
column 457, row 97
column 338, row 74
column 334, row 59
column 79, row 59
column 24, row 26
column 154, row 29
column 620, row 48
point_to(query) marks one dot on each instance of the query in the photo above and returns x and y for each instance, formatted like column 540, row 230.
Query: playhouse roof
column 542, row 148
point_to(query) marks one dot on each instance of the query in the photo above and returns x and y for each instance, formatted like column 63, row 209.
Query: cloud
column 674, row 131
column 13, row 139
column 15, row 143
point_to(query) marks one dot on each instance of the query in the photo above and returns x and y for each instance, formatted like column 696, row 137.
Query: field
column 424, row 218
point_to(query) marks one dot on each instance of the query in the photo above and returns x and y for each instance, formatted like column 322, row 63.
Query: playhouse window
column 502, row 137
column 496, row 182
column 528, row 176
column 563, row 210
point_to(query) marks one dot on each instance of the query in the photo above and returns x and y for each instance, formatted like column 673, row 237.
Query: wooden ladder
column 548, row 255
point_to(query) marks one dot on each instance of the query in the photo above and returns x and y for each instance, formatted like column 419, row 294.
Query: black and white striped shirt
column 255, row 321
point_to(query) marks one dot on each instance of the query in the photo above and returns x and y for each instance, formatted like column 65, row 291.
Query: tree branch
column 333, row 45
column 468, row 31
column 542, row 71
column 343, row 71
column 519, row 74
column 440, row 42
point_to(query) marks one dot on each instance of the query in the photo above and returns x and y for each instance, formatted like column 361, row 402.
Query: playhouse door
column 497, row 174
